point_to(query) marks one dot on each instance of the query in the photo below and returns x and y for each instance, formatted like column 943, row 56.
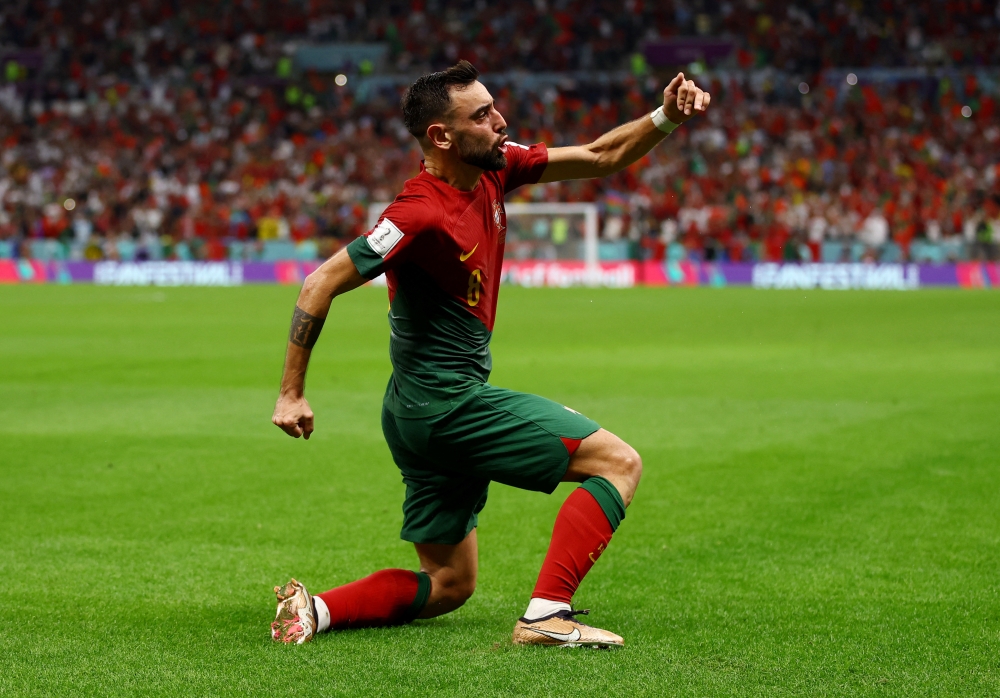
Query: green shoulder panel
column 367, row 260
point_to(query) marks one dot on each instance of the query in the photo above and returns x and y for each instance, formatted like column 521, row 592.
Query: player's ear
column 438, row 136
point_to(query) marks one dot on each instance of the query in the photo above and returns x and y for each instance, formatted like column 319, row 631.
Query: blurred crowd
column 232, row 38
column 176, row 128
column 867, row 171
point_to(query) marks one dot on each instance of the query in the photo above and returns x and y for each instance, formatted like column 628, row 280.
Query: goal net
column 545, row 232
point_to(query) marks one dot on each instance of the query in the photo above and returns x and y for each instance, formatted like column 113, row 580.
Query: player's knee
column 627, row 462
column 462, row 593
column 627, row 466
column 635, row 464
column 454, row 590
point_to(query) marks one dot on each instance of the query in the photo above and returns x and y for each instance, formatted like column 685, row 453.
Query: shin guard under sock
column 582, row 531
column 387, row 597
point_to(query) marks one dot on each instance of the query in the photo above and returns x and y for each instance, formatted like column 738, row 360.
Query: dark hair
column 428, row 98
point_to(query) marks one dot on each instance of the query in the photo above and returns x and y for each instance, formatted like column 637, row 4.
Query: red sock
column 581, row 533
column 388, row 597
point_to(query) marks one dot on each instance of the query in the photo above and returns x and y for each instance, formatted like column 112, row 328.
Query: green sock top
column 608, row 497
column 423, row 593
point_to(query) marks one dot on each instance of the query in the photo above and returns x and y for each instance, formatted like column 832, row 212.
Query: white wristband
column 661, row 121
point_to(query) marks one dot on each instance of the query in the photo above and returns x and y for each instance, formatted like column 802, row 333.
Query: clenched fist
column 682, row 99
column 293, row 415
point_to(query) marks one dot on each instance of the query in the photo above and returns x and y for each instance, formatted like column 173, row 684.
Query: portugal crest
column 498, row 221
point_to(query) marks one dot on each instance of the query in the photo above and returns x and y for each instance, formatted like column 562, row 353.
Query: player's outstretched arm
column 335, row 276
column 619, row 148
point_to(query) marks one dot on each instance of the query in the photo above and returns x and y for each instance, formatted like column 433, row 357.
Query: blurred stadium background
column 262, row 131
column 819, row 513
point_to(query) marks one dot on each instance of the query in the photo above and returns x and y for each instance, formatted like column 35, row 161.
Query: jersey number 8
column 475, row 283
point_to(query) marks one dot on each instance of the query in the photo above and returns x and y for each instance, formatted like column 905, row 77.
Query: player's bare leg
column 453, row 570
column 602, row 454
column 610, row 470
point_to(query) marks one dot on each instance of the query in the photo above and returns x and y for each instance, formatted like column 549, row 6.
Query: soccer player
column 441, row 246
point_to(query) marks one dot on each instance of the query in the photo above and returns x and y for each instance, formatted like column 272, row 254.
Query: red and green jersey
column 441, row 250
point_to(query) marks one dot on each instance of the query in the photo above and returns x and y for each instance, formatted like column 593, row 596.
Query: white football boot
column 295, row 620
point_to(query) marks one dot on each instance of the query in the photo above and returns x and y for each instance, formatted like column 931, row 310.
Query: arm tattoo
column 305, row 329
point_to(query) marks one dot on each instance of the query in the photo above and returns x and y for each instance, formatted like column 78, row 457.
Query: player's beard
column 486, row 156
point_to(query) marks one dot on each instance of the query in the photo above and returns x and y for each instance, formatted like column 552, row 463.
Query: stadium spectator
column 156, row 130
column 216, row 42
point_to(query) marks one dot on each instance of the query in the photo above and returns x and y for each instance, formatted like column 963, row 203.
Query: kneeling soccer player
column 441, row 246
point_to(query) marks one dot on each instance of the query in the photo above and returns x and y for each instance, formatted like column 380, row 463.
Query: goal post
column 570, row 228
column 551, row 231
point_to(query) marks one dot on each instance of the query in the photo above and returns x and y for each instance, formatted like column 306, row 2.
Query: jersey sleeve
column 525, row 164
column 389, row 243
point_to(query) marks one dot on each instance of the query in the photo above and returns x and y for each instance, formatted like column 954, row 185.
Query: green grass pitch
column 819, row 514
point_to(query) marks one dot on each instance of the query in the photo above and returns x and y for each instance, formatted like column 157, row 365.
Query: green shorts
column 493, row 434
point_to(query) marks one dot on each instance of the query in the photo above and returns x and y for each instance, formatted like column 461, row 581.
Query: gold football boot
column 562, row 629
